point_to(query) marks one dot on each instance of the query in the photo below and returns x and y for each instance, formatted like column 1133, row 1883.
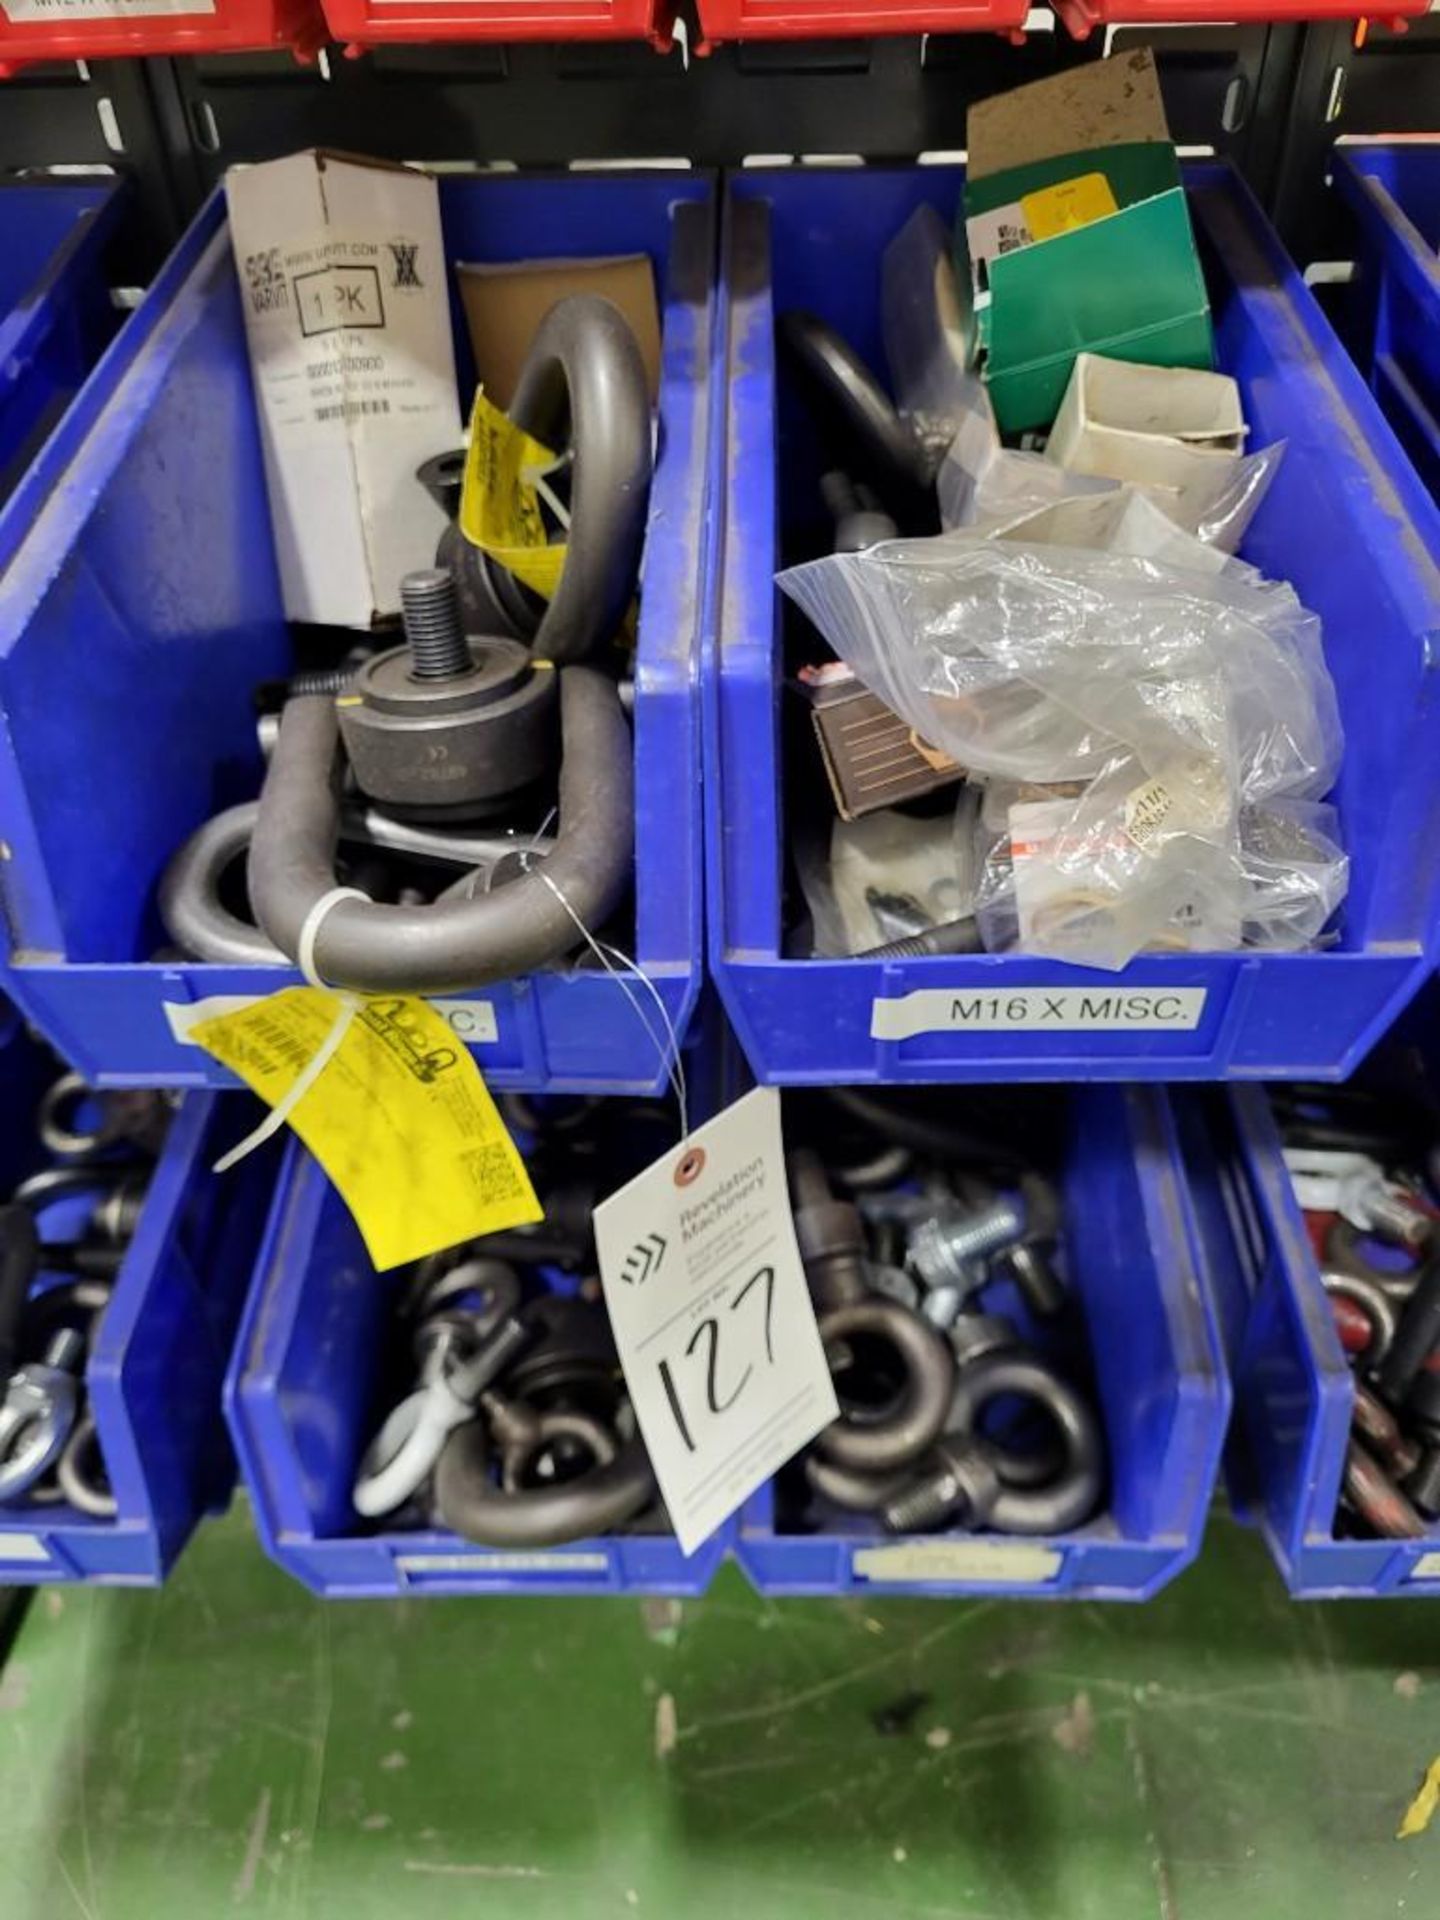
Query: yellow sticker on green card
column 1073, row 203
column 399, row 1116
column 499, row 503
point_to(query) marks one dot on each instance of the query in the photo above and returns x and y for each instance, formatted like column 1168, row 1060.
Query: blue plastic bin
column 56, row 314
column 1156, row 1371
column 154, row 1377
column 1394, row 192
column 1346, row 520
column 1294, row 1391
column 142, row 605
column 301, row 1398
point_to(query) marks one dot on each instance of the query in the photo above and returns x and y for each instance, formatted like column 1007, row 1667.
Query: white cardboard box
column 343, row 279
column 1154, row 426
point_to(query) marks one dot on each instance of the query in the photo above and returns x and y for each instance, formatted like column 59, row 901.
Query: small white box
column 1154, row 426
column 347, row 314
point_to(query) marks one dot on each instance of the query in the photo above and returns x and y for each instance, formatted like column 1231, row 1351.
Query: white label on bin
column 18, row 10
column 472, row 1021
column 23, row 1546
column 1038, row 1010
column 712, row 1317
column 502, row 1563
column 1427, row 1567
column 1016, row 1563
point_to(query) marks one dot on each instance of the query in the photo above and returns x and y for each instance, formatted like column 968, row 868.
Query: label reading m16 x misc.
column 1038, row 1010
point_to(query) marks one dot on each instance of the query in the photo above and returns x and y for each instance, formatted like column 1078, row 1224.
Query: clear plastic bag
column 1296, row 873
column 1063, row 876
column 1095, row 874
column 983, row 485
column 1034, row 662
column 927, row 345
column 1124, row 520
column 888, row 875
column 1160, row 701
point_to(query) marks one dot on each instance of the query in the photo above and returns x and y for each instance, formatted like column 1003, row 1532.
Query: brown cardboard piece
column 872, row 757
column 504, row 305
column 1108, row 104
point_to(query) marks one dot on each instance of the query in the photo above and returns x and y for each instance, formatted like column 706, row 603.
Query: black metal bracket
column 104, row 117
column 1357, row 86
column 549, row 105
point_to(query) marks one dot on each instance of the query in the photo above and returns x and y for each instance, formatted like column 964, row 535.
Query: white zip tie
column 536, row 477
column 350, row 1004
column 309, row 932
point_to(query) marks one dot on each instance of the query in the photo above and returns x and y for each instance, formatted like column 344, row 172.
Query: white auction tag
column 712, row 1316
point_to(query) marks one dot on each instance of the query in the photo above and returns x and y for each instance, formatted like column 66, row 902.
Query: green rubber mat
column 234, row 1746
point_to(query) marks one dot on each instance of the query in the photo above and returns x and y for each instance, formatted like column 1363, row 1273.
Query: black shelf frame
column 1271, row 99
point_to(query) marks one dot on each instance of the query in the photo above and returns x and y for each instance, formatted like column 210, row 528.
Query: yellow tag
column 1421, row 1810
column 399, row 1118
column 1074, row 203
column 499, row 507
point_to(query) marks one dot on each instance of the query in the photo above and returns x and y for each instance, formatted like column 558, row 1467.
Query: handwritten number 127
column 707, row 1334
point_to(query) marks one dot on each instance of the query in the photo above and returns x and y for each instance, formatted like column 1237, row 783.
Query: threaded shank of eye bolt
column 434, row 633
column 951, row 936
column 925, row 1504
column 1398, row 1219
column 944, row 1248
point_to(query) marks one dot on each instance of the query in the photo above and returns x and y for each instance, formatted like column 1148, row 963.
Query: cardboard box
column 343, row 282
column 872, row 757
column 1076, row 235
column 505, row 303
column 1162, row 427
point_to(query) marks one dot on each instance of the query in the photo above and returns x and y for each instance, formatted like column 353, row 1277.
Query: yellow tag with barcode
column 1073, row 203
column 499, row 504
column 399, row 1117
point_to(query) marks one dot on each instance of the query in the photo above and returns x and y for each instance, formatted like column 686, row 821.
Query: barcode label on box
column 31, row 10
column 352, row 410
column 1038, row 1010
column 1016, row 1563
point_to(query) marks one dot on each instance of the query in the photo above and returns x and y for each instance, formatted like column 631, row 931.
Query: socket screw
column 945, row 1249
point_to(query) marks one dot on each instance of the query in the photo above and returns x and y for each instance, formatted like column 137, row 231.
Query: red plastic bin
column 124, row 29
column 843, row 19
column 1081, row 16
column 363, row 23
